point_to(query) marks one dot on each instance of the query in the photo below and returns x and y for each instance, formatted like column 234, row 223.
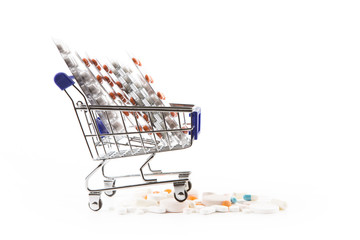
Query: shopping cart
column 105, row 145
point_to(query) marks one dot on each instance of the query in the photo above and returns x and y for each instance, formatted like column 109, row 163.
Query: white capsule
column 140, row 202
column 221, row 208
column 122, row 210
column 214, row 199
column 139, row 211
column 207, row 210
column 188, row 210
column 156, row 209
column 234, row 208
column 157, row 196
column 131, row 209
column 247, row 210
column 171, row 205
column 198, row 208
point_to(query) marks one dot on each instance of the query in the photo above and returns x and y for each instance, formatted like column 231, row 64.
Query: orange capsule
column 151, row 80
column 119, row 84
column 111, row 84
column 145, row 197
column 160, row 95
column 132, row 101
column 98, row 67
column 106, row 68
column 167, row 190
column 126, row 113
column 226, row 203
column 110, row 71
column 146, row 117
column 174, row 114
column 107, row 78
column 135, row 61
column 139, row 63
column 94, row 62
column 156, row 192
column 99, row 78
column 112, row 95
column 199, row 203
column 146, row 128
column 86, row 62
column 159, row 135
column 147, row 78
column 192, row 197
column 137, row 128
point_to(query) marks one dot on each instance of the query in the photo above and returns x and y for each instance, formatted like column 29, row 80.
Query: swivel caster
column 95, row 202
column 180, row 194
column 109, row 184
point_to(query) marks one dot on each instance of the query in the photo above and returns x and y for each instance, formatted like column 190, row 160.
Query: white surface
column 287, row 72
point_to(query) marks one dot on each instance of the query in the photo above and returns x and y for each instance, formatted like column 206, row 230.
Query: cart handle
column 196, row 122
column 63, row 81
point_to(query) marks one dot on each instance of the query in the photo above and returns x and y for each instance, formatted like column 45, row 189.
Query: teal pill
column 233, row 200
column 247, row 197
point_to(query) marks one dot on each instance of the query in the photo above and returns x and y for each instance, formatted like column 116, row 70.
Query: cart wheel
column 188, row 186
column 95, row 206
column 181, row 196
column 110, row 193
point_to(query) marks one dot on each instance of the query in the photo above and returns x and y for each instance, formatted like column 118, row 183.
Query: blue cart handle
column 63, row 81
column 196, row 121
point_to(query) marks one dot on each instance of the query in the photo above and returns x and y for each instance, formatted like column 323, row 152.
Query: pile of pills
column 148, row 201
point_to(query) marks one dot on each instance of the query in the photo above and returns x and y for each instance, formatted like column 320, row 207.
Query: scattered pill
column 122, row 210
column 106, row 68
column 192, row 197
column 234, row 208
column 171, row 205
column 156, row 209
column 207, row 210
column 248, row 197
column 98, row 67
column 221, row 208
column 226, row 203
column 168, row 191
column 233, row 200
column 188, row 210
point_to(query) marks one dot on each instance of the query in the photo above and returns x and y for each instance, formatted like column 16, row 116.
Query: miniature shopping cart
column 105, row 145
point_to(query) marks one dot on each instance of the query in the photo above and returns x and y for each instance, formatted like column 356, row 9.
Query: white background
column 278, row 83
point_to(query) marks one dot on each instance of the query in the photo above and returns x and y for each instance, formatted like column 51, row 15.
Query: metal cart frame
column 96, row 139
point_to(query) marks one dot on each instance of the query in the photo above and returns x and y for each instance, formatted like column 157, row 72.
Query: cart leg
column 95, row 202
column 180, row 192
column 154, row 171
column 109, row 183
column 141, row 169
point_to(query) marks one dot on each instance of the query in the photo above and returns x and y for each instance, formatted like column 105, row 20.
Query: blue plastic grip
column 196, row 120
column 63, row 81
